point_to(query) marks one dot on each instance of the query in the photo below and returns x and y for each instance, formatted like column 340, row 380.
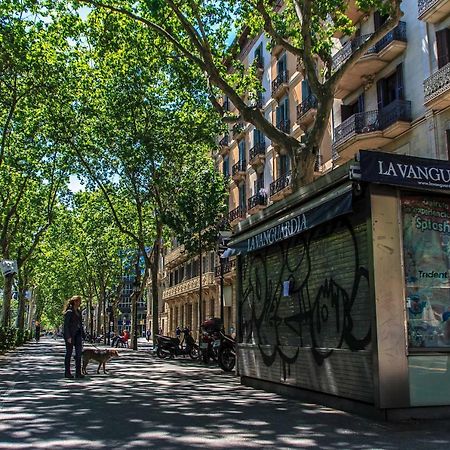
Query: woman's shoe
column 68, row 375
column 79, row 375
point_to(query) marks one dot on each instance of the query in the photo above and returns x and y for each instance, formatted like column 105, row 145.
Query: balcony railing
column 282, row 77
column 309, row 103
column 228, row 266
column 225, row 141
column 437, row 9
column 279, row 184
column 257, row 200
column 438, row 82
column 398, row 110
column 189, row 286
column 236, row 213
column 284, row 125
column 370, row 121
column 258, row 149
column 240, row 166
column 397, row 34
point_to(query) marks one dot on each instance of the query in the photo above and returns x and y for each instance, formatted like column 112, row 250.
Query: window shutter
column 361, row 103
column 306, row 91
column 286, row 108
column 400, row 91
column 377, row 20
column 380, row 89
column 278, row 114
column 443, row 47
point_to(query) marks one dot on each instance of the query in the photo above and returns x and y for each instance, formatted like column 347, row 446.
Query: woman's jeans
column 77, row 342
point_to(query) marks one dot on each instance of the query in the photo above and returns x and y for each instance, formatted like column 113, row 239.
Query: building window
column 390, row 88
column 282, row 112
column 226, row 166
column 283, row 165
column 443, row 47
column 258, row 137
column 258, row 56
column 242, row 197
column 241, row 146
column 281, row 64
column 352, row 109
column 426, row 251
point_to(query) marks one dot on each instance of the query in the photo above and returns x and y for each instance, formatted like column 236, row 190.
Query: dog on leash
column 101, row 356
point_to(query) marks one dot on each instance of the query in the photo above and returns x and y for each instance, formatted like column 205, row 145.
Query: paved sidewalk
column 145, row 402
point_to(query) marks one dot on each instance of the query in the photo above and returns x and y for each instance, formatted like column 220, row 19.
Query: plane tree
column 199, row 31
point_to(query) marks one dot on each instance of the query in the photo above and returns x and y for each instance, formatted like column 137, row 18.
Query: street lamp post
column 224, row 237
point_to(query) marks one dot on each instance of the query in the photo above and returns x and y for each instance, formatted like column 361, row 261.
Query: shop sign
column 401, row 170
column 307, row 217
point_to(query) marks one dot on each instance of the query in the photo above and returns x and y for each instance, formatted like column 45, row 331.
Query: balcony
column 437, row 89
column 284, row 125
column 306, row 112
column 229, row 270
column 257, row 155
column 376, row 58
column 236, row 215
column 175, row 257
column 189, row 286
column 371, row 129
column 433, row 11
column 239, row 170
column 281, row 187
column 257, row 202
column 280, row 84
column 238, row 130
column 224, row 145
column 353, row 13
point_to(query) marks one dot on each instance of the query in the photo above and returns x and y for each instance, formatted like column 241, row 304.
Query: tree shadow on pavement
column 145, row 402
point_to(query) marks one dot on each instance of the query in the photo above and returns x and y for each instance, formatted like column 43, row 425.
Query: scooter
column 226, row 355
column 169, row 347
column 210, row 339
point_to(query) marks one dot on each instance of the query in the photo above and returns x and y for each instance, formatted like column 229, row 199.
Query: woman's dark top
column 72, row 324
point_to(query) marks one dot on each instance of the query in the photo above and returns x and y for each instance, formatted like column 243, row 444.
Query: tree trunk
column 155, row 281
column 200, row 291
column 7, row 295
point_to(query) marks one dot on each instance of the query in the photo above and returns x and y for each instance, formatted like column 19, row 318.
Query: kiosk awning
column 313, row 213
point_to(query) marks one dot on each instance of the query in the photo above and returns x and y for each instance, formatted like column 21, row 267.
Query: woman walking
column 73, row 335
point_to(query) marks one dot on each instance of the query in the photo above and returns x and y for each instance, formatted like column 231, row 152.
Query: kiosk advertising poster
column 426, row 250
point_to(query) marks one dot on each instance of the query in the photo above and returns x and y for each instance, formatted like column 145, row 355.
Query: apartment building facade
column 342, row 288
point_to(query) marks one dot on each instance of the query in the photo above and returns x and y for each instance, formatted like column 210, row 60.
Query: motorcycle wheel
column 162, row 353
column 227, row 359
column 194, row 352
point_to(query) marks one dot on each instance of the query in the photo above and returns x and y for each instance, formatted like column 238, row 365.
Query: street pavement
column 145, row 402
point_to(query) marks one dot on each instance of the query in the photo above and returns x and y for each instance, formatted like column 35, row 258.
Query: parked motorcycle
column 210, row 339
column 169, row 347
column 226, row 355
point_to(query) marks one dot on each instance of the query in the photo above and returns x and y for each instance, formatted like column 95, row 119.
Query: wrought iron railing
column 236, row 213
column 282, row 77
column 309, row 103
column 425, row 5
column 438, row 82
column 258, row 149
column 240, row 166
column 395, row 111
column 397, row 34
column 349, row 47
column 256, row 200
column 284, row 125
column 370, row 121
column 190, row 285
column 228, row 266
column 224, row 141
column 365, row 122
column 279, row 184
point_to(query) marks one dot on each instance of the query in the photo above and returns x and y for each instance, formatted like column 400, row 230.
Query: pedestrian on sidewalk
column 37, row 331
column 73, row 335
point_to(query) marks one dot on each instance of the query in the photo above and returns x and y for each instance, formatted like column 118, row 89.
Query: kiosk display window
column 426, row 253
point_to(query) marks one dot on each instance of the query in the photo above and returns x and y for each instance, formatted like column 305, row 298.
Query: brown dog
column 101, row 356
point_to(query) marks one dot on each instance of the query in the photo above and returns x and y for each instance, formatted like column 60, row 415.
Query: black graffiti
column 321, row 320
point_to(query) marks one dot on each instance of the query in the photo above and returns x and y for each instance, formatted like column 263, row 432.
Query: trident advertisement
column 426, row 245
